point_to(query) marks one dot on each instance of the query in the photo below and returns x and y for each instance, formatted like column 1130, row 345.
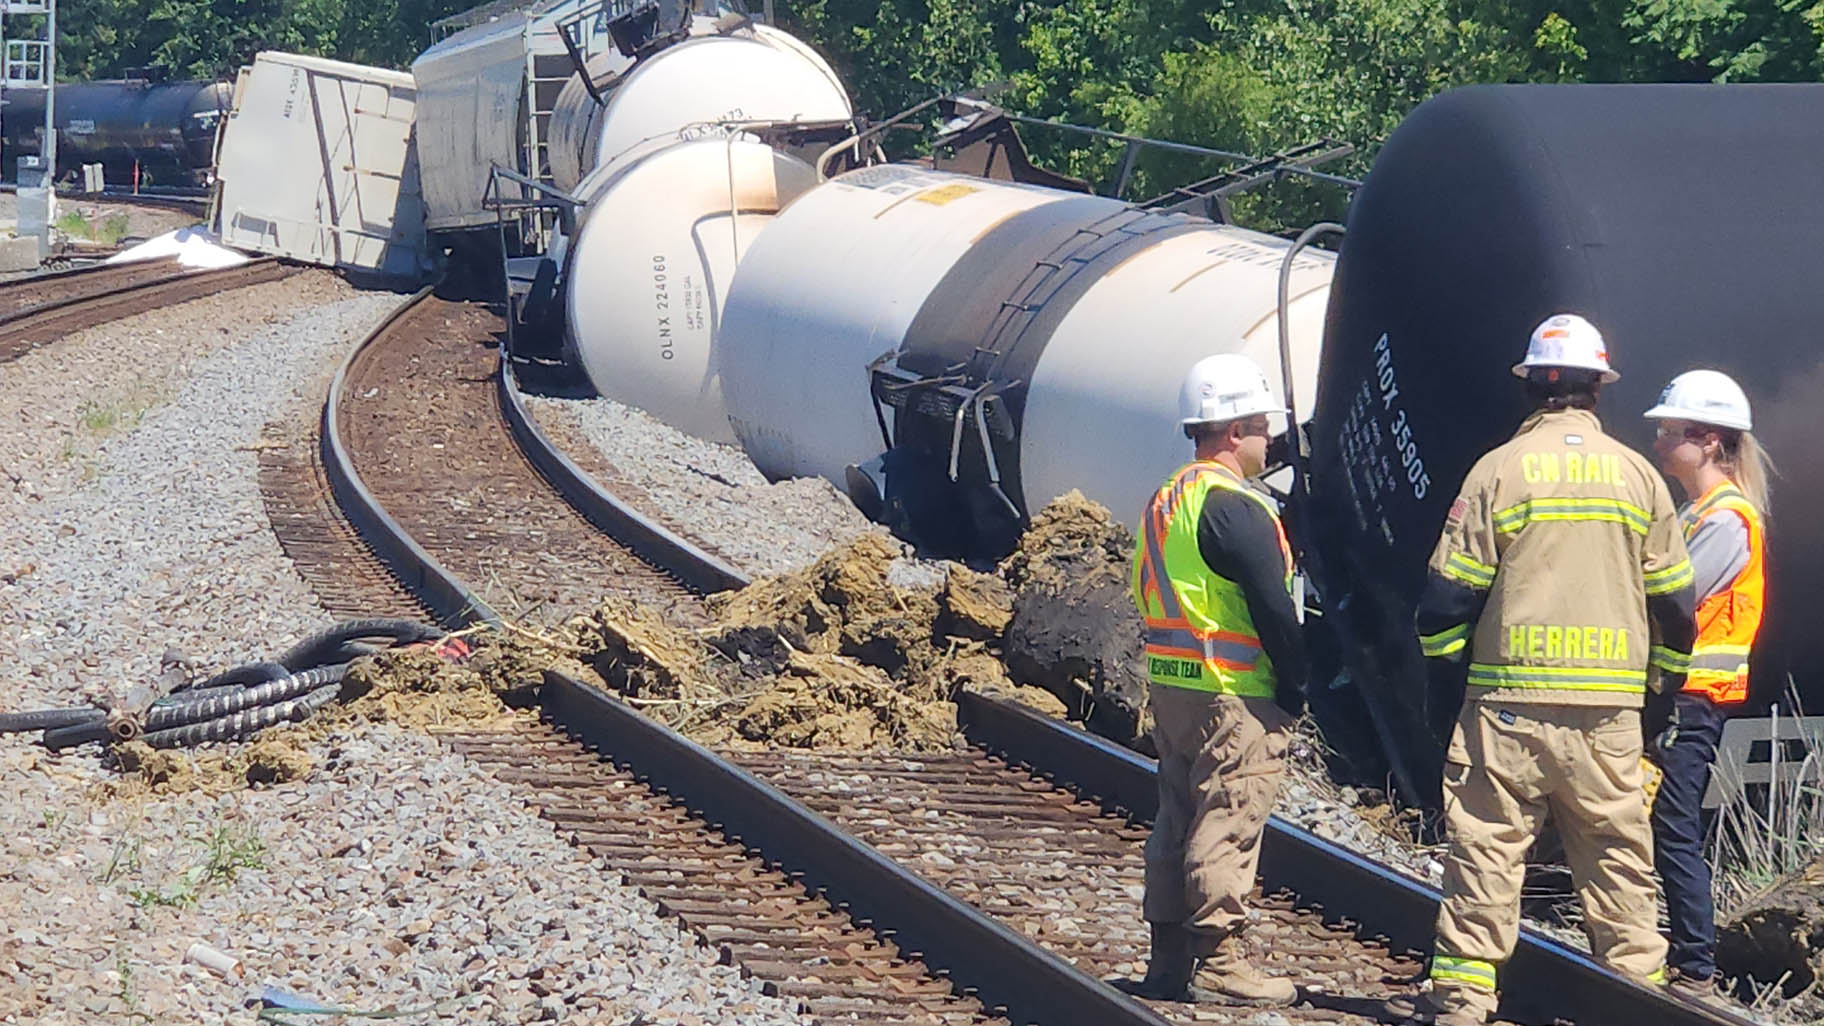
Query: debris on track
column 1074, row 631
column 864, row 649
column 1778, row 938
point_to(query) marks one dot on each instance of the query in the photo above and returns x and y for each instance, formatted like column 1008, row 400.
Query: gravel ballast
column 396, row 874
column 160, row 537
column 400, row 876
column 710, row 493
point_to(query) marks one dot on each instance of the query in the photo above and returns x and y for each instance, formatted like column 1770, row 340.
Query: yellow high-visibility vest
column 1199, row 633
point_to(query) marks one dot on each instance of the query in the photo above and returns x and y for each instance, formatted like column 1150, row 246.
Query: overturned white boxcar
column 318, row 164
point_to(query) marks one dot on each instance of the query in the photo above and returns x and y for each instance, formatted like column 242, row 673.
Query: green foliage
column 213, row 38
column 226, row 851
column 1262, row 75
column 894, row 53
column 1247, row 75
column 105, row 230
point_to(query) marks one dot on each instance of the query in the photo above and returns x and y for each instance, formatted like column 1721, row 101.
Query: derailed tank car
column 1682, row 220
column 1004, row 343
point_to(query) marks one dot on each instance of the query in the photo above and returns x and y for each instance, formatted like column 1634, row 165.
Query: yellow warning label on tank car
column 943, row 194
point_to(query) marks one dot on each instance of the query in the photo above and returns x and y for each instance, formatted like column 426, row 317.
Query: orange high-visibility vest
column 1728, row 620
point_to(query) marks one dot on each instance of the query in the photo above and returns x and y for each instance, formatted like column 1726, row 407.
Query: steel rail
column 650, row 540
column 97, row 270
column 447, row 596
column 74, row 313
column 982, row 956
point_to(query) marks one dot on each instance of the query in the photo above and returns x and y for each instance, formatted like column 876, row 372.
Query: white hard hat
column 1567, row 340
column 1707, row 397
column 1225, row 387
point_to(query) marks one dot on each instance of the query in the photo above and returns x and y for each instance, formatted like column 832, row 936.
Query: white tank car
column 575, row 116
column 1123, row 349
column 685, row 92
column 1058, row 324
column 652, row 262
column 834, row 283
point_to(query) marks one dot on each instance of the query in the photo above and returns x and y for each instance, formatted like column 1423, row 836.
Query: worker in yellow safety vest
column 1212, row 575
column 1706, row 445
column 1560, row 548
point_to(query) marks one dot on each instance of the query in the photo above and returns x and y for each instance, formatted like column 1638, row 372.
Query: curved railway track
column 999, row 879
column 39, row 310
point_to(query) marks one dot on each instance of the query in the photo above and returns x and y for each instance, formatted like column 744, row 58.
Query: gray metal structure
column 32, row 61
column 504, row 67
column 1765, row 751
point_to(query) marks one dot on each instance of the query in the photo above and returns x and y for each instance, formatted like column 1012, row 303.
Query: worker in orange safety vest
column 1705, row 444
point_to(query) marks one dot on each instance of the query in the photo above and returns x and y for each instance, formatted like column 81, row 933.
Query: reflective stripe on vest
column 1471, row 972
column 1728, row 621
column 1558, row 678
column 1199, row 632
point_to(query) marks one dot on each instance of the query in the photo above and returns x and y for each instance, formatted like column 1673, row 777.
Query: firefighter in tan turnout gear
column 1561, row 548
column 1212, row 576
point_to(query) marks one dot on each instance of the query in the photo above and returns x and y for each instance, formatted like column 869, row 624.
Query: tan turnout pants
column 1220, row 763
column 1507, row 768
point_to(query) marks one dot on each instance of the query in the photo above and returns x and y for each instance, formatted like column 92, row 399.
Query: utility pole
column 26, row 63
column 50, row 106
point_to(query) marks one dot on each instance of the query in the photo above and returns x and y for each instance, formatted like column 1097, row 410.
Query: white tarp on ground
column 193, row 247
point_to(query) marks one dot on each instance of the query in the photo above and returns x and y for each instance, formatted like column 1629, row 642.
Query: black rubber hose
column 217, row 706
column 245, row 722
column 210, row 707
column 240, row 676
column 50, row 719
column 198, row 694
column 221, row 683
column 326, row 645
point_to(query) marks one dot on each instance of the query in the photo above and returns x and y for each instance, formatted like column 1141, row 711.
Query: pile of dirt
column 866, row 648
column 1074, row 631
column 276, row 756
column 1779, row 936
column 413, row 686
column 859, row 650
column 418, row 687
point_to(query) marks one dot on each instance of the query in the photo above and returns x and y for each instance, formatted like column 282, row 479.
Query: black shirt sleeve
column 1237, row 539
column 1446, row 603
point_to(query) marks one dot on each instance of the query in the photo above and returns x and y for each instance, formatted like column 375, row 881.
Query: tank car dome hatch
column 833, row 284
column 650, row 267
column 1124, row 346
column 1677, row 218
column 683, row 92
column 575, row 122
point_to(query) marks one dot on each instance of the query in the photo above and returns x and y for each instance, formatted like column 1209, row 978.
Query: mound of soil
column 1780, row 935
column 1074, row 631
column 851, row 652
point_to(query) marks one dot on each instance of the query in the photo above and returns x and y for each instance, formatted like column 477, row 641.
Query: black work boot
column 1169, row 966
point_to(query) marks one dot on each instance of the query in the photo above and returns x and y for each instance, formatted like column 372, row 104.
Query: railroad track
column 41, row 309
column 1006, row 873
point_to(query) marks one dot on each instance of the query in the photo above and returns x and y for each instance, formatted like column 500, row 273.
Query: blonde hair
column 1749, row 466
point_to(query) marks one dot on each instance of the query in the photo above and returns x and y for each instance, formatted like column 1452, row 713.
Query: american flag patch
column 1458, row 510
